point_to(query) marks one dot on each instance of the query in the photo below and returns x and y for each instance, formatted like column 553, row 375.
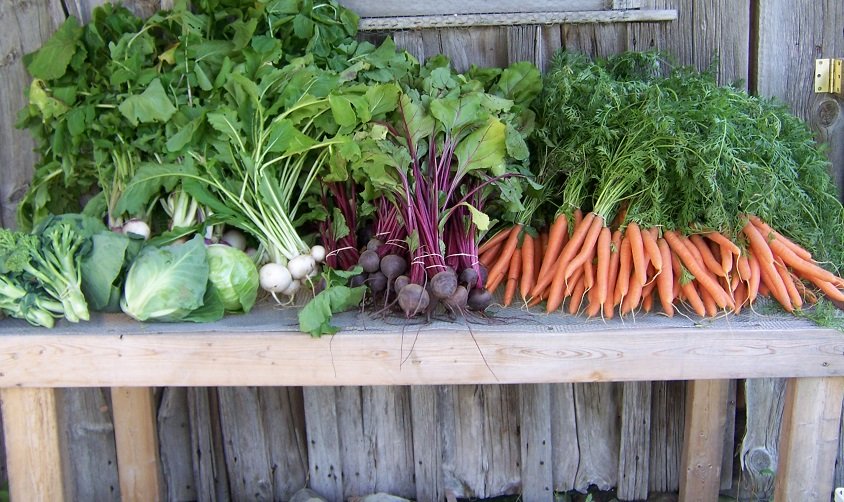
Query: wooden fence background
column 422, row 441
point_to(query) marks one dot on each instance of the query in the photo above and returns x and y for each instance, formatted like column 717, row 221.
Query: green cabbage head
column 235, row 277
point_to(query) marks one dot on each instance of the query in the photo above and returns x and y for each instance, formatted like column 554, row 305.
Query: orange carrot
column 723, row 241
column 526, row 280
column 488, row 257
column 830, row 290
column 637, row 249
column 540, row 245
column 587, row 250
column 651, row 249
column 788, row 281
column 665, row 280
column 634, row 296
column 754, row 280
column 770, row 234
column 743, row 266
column 770, row 276
column 602, row 275
column 495, row 240
column 802, row 267
column 569, row 288
column 709, row 260
column 697, row 269
column 741, row 296
column 693, row 298
column 708, row 302
column 612, row 277
column 555, row 295
column 556, row 239
column 648, row 289
column 624, row 270
column 498, row 270
column 576, row 296
column 513, row 274
column 589, row 272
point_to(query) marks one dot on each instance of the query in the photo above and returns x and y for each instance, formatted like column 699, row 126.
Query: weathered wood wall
column 430, row 442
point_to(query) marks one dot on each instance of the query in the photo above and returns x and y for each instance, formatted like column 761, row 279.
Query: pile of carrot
column 600, row 270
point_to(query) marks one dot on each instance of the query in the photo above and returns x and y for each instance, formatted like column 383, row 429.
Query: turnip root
column 301, row 266
column 318, row 253
column 274, row 277
column 136, row 227
column 234, row 238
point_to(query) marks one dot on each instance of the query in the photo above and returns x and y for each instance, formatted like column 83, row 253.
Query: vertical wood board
column 246, row 449
column 386, row 419
column 668, row 404
column 427, row 442
column 598, row 412
column 283, row 417
column 634, row 451
column 356, row 451
column 26, row 25
column 564, row 448
column 136, row 441
column 89, row 451
column 33, row 448
column 703, row 444
column 175, row 445
column 537, row 441
column 209, row 468
column 760, row 445
column 324, row 458
column 809, row 440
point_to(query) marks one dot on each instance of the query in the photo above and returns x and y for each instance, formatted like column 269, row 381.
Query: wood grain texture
column 357, row 455
column 634, row 451
column 386, row 419
column 90, row 457
column 203, row 355
column 209, row 468
column 4, row 473
column 283, row 417
column 809, row 441
column 246, row 447
column 759, row 450
column 537, row 441
column 33, row 449
column 389, row 8
column 136, row 440
column 827, row 120
column 564, row 449
column 175, row 445
column 481, row 436
column 26, row 25
column 483, row 47
column 668, row 404
column 519, row 18
column 730, row 454
column 324, row 458
column 703, row 444
column 597, row 407
column 427, row 442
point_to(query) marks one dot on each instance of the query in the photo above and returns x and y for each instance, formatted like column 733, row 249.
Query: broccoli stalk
column 52, row 262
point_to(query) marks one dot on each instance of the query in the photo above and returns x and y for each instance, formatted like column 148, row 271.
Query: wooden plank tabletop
column 263, row 348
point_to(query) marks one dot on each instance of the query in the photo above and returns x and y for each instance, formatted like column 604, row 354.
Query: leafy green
column 167, row 283
column 337, row 296
column 51, row 60
column 234, row 276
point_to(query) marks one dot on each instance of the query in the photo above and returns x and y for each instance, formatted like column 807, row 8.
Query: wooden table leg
column 809, row 439
column 703, row 440
column 136, row 441
column 33, row 451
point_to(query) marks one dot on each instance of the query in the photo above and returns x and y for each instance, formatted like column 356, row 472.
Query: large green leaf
column 416, row 123
column 149, row 180
column 51, row 60
column 152, row 105
column 315, row 316
column 167, row 283
column 101, row 271
column 484, row 148
column 457, row 113
column 520, row 82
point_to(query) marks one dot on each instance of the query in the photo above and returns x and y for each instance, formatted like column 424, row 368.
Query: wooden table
column 262, row 349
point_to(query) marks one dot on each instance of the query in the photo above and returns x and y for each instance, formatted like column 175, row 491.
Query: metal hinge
column 829, row 73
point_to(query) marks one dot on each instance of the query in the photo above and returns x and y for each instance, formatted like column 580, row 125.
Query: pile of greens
column 694, row 155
